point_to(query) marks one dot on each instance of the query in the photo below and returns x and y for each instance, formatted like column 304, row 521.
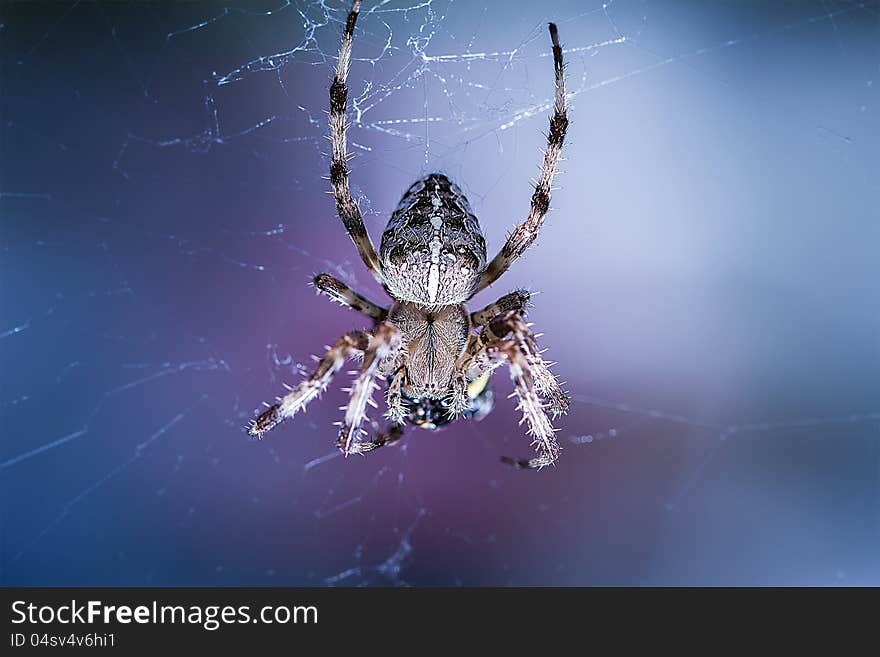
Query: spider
column 431, row 260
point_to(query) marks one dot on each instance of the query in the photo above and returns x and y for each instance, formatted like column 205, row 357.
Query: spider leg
column 479, row 358
column 458, row 400
column 546, row 383
column 340, row 292
column 514, row 301
column 472, row 364
column 386, row 438
column 396, row 412
column 524, row 234
column 508, row 339
column 346, row 206
column 383, row 343
column 349, row 344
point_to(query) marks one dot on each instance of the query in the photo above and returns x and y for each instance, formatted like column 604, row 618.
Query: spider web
column 708, row 286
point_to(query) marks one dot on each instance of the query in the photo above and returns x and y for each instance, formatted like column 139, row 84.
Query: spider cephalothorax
column 431, row 260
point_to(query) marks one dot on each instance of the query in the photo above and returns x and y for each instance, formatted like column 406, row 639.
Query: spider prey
column 434, row 354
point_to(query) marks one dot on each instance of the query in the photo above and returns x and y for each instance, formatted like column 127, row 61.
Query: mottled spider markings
column 432, row 249
column 435, row 356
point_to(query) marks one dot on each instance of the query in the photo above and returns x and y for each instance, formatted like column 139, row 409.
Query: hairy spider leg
column 386, row 438
column 351, row 343
column 344, row 295
column 508, row 339
column 524, row 235
column 517, row 300
column 346, row 206
column 384, row 343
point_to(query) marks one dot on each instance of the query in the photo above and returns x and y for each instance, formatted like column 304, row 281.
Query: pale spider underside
column 431, row 260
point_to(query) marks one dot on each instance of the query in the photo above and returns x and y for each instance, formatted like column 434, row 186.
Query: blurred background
column 708, row 280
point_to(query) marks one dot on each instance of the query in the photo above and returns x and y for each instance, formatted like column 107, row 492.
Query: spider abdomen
column 433, row 249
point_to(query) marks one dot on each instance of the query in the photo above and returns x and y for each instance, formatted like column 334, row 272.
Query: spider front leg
column 341, row 293
column 384, row 343
column 508, row 339
column 349, row 344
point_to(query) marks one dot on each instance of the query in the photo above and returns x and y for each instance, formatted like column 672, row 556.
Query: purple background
column 708, row 284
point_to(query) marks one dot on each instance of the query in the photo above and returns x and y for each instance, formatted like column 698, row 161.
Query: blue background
column 708, row 284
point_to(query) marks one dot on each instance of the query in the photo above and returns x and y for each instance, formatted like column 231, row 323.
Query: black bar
column 278, row 617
